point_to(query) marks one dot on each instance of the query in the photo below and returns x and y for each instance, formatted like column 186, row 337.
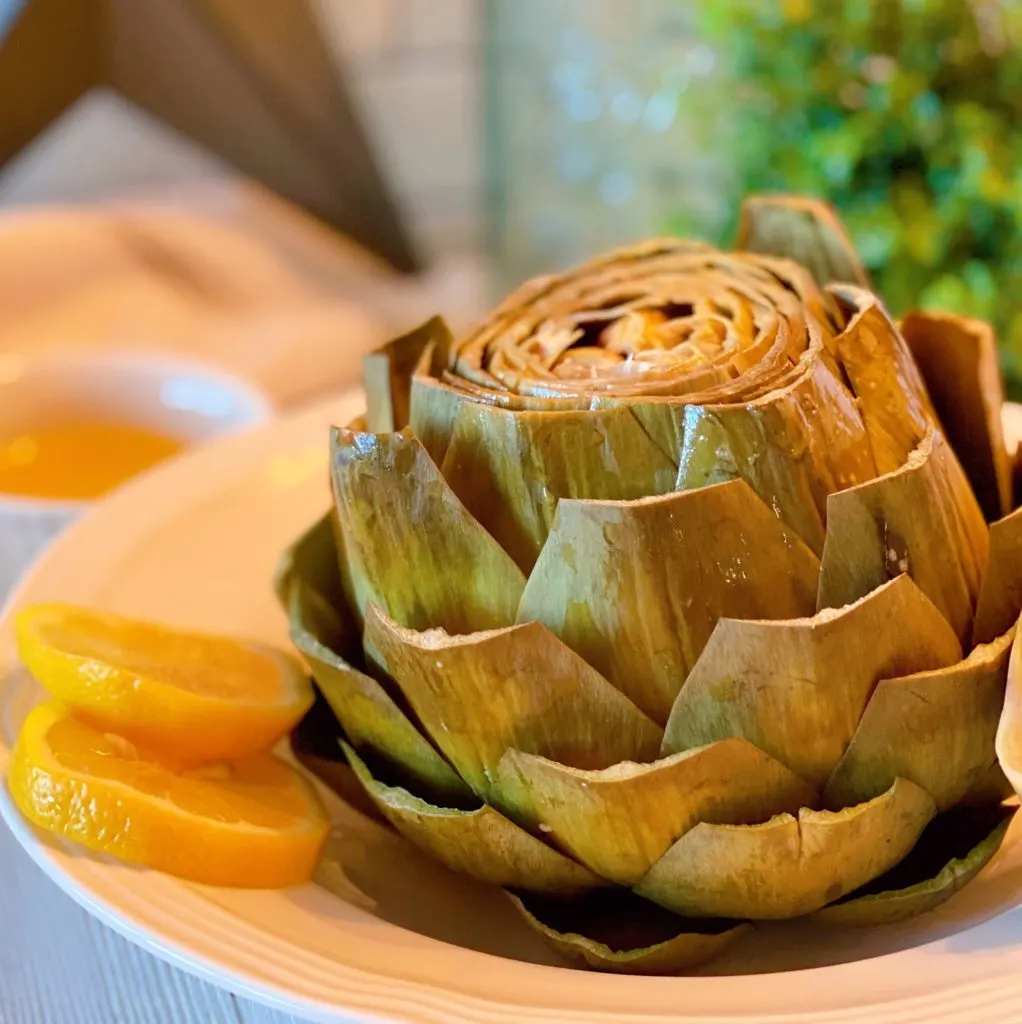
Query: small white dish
column 179, row 398
column 391, row 936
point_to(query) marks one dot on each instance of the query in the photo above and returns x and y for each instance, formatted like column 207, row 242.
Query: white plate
column 398, row 938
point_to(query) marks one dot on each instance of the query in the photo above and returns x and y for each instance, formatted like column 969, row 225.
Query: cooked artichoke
column 666, row 599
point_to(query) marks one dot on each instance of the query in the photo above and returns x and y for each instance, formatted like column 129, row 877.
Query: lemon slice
column 253, row 823
column 193, row 697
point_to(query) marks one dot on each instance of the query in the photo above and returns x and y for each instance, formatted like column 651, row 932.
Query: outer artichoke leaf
column 316, row 746
column 511, row 468
column 480, row 843
column 409, row 544
column 482, row 694
column 895, row 524
column 1009, row 730
column 895, row 406
column 387, row 373
column 434, row 410
column 794, row 445
column 788, row 866
column 934, row 728
column 797, row 688
column 371, row 719
column 958, row 360
column 952, row 850
column 621, row 820
column 806, row 231
column 616, row 931
column 1000, row 593
column 637, row 587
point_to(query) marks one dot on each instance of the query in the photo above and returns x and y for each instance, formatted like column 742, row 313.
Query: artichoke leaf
column 408, row 543
column 616, row 931
column 804, row 230
column 387, row 373
column 371, row 718
column 797, row 688
column 621, row 820
column 794, row 445
column 895, row 406
column 958, row 360
column 1008, row 743
column 480, row 843
column 951, row 851
column 636, row 588
column 788, row 866
column 935, row 728
column 479, row 695
column 511, row 468
column 1000, row 593
column 895, row 524
column 316, row 745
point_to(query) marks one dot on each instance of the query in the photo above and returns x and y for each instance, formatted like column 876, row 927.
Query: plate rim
column 374, row 997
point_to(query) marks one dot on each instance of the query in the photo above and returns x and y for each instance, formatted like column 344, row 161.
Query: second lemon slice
column 198, row 698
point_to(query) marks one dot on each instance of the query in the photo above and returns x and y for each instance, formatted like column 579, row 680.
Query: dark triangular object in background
column 252, row 80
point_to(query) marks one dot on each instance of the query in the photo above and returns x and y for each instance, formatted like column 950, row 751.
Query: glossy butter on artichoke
column 677, row 595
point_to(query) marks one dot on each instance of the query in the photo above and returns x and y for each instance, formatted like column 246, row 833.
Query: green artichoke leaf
column 1000, row 592
column 616, row 931
column 387, row 373
column 316, row 745
column 895, row 524
column 482, row 694
column 892, row 397
column 951, row 851
column 797, row 688
column 958, row 360
column 621, row 820
column 935, row 728
column 1008, row 743
column 794, row 445
column 636, row 588
column 480, row 843
column 409, row 545
column 804, row 230
column 788, row 865
column 511, row 468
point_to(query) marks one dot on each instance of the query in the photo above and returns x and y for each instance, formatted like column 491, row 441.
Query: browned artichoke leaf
column 958, row 360
column 480, row 843
column 788, row 866
column 895, row 406
column 1008, row 743
column 952, row 850
column 409, row 544
column 511, row 468
column 921, row 519
column 637, row 587
column 794, row 446
column 370, row 717
column 620, row 820
column 934, row 728
column 482, row 694
column 387, row 373
column 316, row 746
column 797, row 688
column 616, row 931
column 1000, row 593
column 804, row 230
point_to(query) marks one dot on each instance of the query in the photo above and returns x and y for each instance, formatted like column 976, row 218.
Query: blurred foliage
column 904, row 114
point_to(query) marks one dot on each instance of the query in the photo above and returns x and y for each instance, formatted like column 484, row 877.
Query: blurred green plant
column 905, row 115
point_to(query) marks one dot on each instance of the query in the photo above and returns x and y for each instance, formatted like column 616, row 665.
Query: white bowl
column 182, row 399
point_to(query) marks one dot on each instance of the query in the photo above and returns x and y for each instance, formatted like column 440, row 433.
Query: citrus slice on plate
column 195, row 697
column 254, row 823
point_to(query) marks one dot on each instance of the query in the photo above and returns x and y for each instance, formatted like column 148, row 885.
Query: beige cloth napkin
column 152, row 278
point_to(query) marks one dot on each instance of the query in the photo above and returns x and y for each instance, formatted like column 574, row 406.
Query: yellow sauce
column 78, row 460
